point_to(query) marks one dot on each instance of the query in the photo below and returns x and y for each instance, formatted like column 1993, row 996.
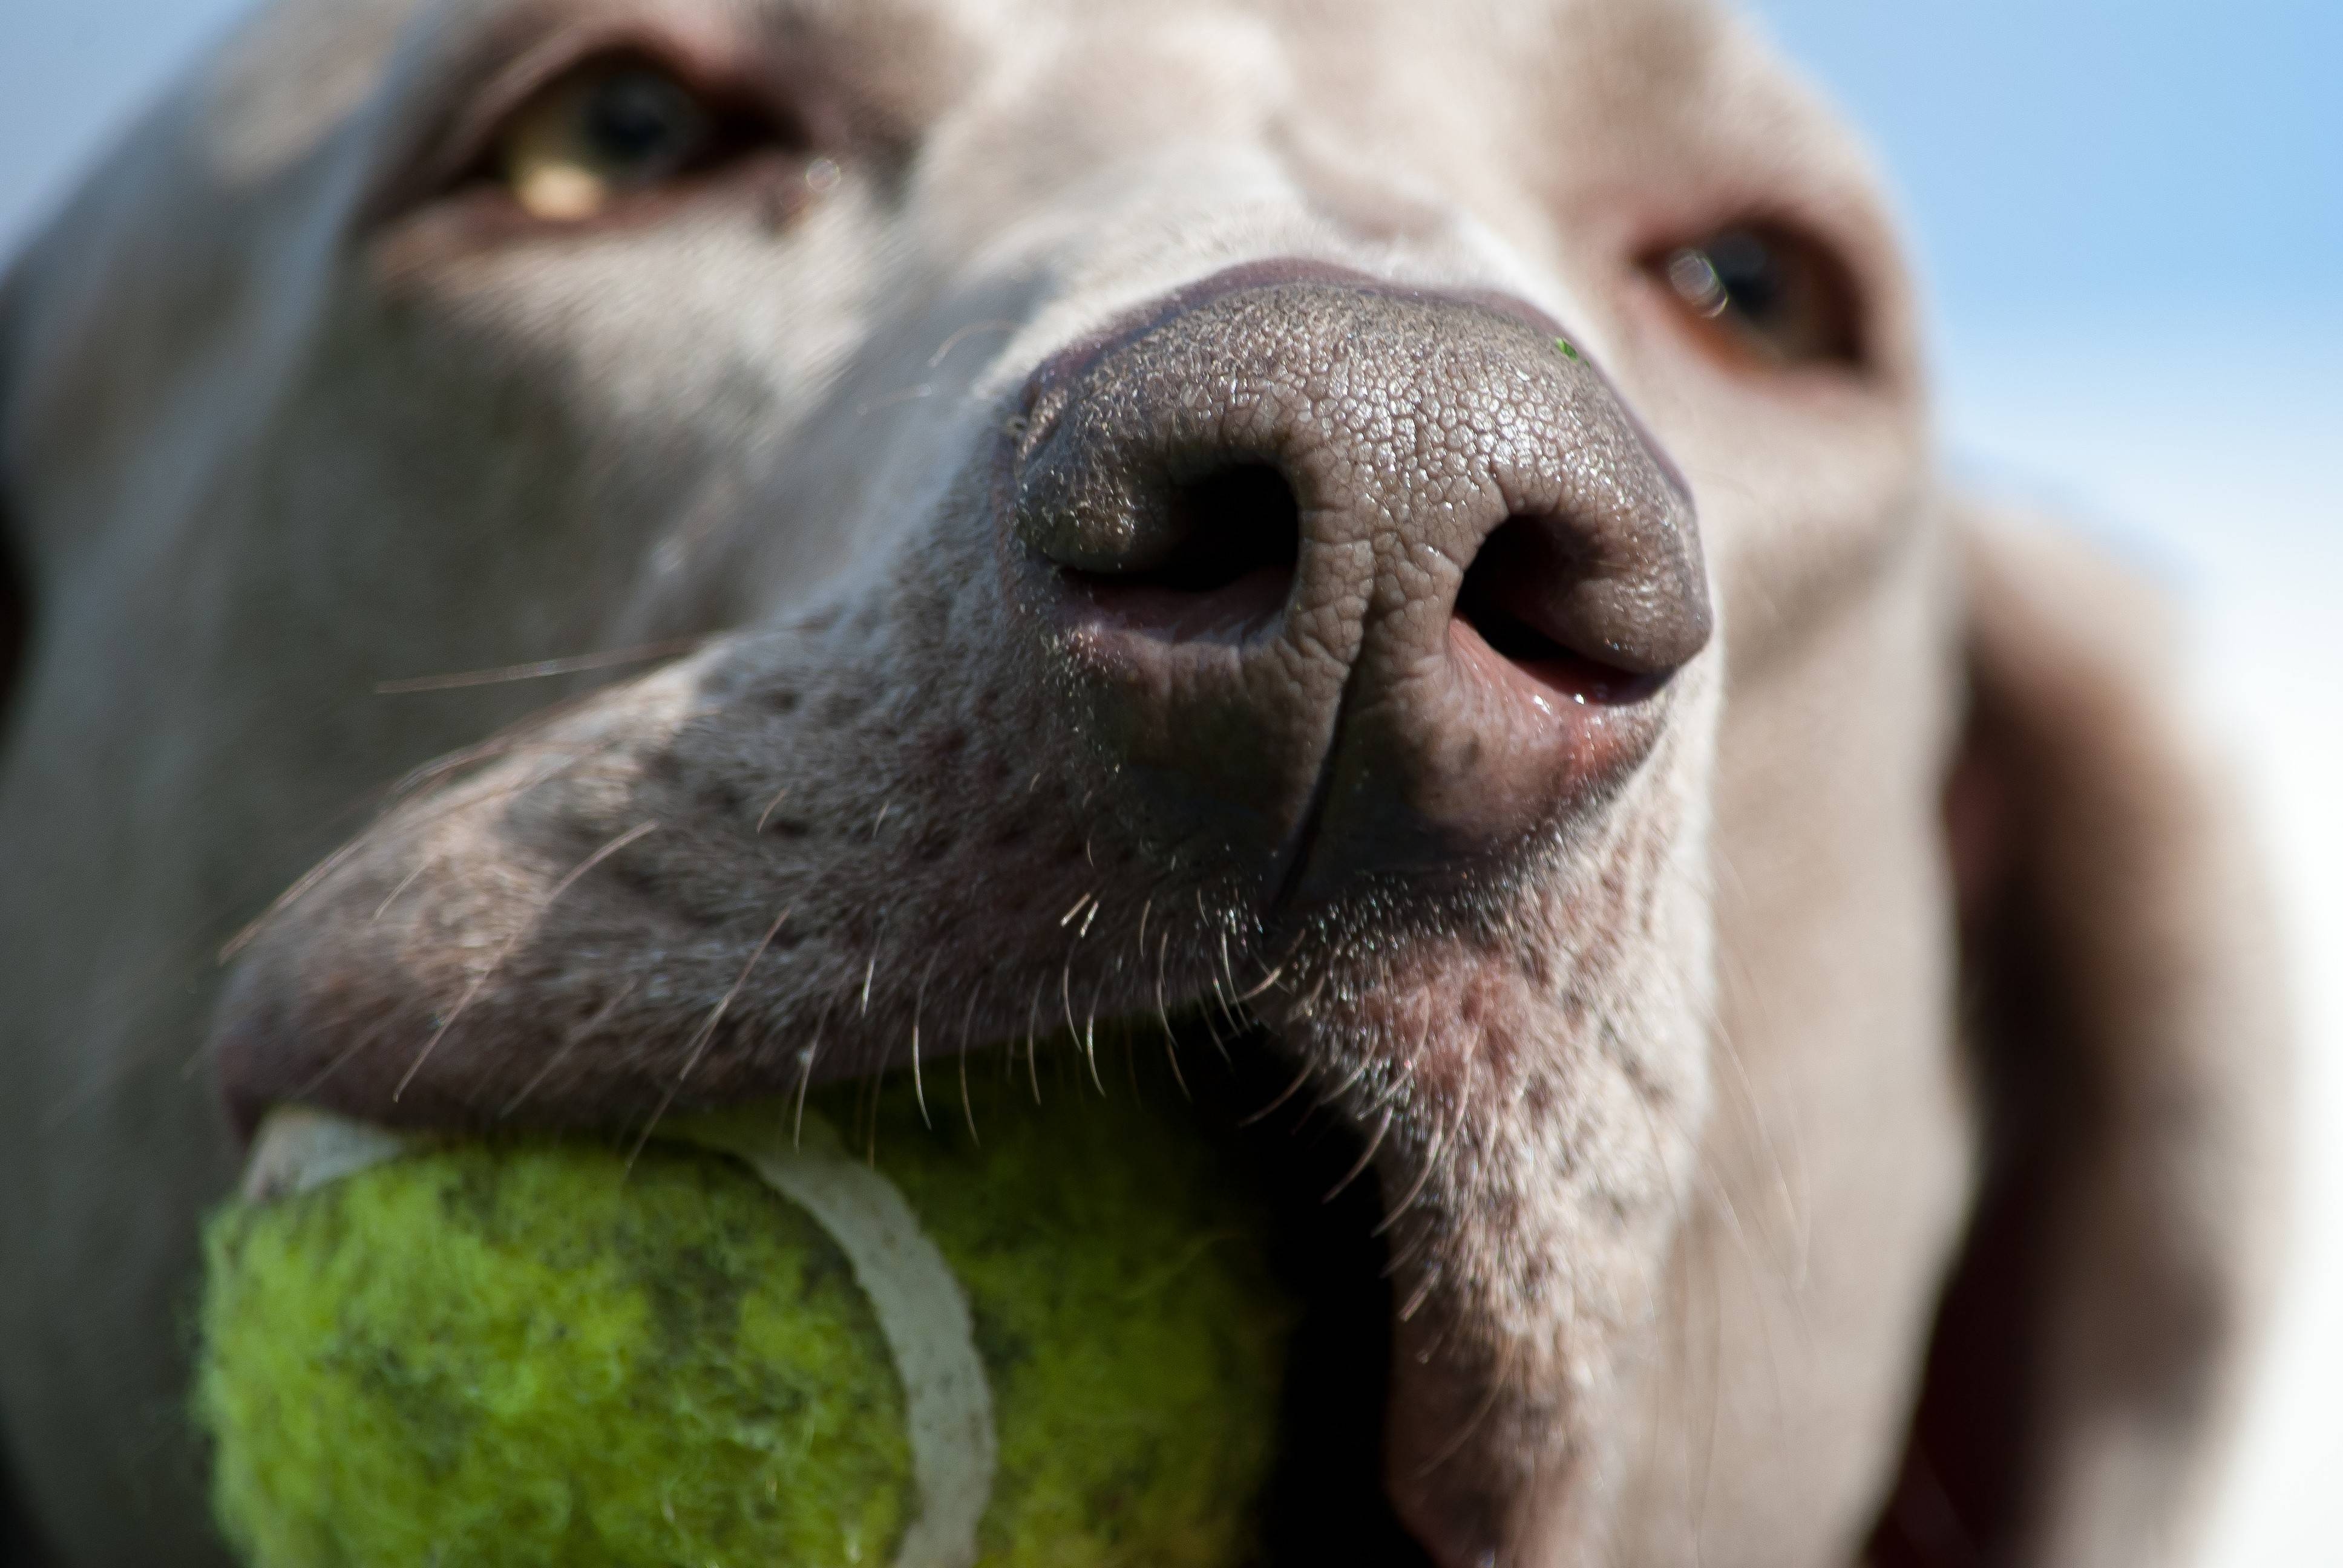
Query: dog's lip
column 1591, row 724
column 1565, row 687
column 1107, row 616
column 1138, row 631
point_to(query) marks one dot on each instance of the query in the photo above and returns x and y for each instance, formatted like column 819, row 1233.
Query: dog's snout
column 1365, row 577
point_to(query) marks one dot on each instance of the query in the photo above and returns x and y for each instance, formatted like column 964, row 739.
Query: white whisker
column 511, row 941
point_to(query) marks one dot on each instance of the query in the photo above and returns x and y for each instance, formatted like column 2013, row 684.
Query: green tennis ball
column 537, row 1352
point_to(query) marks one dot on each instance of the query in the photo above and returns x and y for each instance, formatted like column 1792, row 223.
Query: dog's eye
column 608, row 130
column 1766, row 295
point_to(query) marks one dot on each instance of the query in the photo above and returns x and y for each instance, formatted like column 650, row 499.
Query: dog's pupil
column 636, row 118
column 1747, row 273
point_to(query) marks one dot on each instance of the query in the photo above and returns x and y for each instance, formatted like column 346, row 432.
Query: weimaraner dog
column 1419, row 521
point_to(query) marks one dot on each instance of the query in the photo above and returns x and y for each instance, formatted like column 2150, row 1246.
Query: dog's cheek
column 619, row 418
column 796, row 856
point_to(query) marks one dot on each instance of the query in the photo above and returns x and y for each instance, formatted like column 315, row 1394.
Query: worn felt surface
column 527, row 1352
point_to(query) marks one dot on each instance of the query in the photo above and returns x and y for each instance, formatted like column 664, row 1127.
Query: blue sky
column 2110, row 158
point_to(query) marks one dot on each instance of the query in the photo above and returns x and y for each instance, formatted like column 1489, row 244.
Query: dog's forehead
column 300, row 67
column 1531, row 123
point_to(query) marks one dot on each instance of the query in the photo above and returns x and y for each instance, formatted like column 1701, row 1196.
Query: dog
column 697, row 549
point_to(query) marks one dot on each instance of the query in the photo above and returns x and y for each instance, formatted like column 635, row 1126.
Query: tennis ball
column 1058, row 1345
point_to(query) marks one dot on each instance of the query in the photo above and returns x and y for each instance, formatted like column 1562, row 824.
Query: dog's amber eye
column 1766, row 294
column 607, row 131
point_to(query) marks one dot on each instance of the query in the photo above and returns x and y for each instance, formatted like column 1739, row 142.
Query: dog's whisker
column 504, row 950
column 806, row 1055
column 967, row 1034
column 1426, row 1279
column 944, row 352
column 289, row 897
column 1272, row 1109
column 576, row 1036
column 765, row 817
column 1164, row 1016
column 919, row 1008
column 707, row 1033
column 1033, row 1041
column 705, row 1036
column 1267, row 980
column 1366, row 1158
column 918, row 1089
column 1497, row 1383
column 1212, row 1030
column 1429, row 1158
column 308, row 883
column 892, row 400
column 1089, row 1033
column 967, row 1104
column 340, row 1059
column 391, row 898
column 543, row 668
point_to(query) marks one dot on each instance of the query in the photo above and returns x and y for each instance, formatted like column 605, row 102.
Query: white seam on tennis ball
column 298, row 1150
column 921, row 1310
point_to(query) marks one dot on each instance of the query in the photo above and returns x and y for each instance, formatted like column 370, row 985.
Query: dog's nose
column 1374, row 579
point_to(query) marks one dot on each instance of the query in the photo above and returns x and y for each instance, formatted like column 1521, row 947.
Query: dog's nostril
column 1229, row 523
column 1215, row 555
column 1513, row 598
column 1511, row 554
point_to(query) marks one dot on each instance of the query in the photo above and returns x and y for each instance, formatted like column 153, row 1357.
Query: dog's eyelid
column 738, row 87
column 1768, row 294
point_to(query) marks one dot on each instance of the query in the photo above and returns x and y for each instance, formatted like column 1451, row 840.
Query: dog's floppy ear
column 17, row 1542
column 15, row 593
column 2129, row 1033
